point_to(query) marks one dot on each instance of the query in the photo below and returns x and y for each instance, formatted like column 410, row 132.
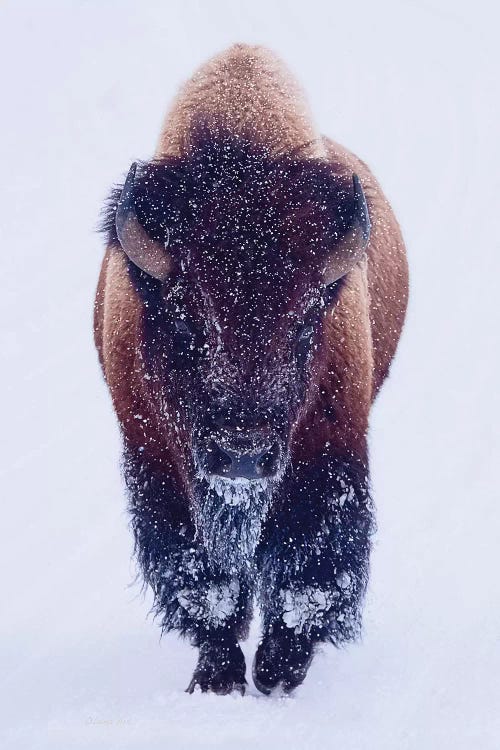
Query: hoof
column 220, row 669
column 219, row 687
column 282, row 660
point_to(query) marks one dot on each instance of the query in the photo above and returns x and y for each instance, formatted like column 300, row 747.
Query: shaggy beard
column 229, row 517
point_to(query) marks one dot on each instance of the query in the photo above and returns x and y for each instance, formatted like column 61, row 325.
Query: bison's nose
column 249, row 465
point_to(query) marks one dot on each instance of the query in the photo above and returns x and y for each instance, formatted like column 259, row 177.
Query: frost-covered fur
column 229, row 515
column 313, row 564
column 308, row 566
column 191, row 594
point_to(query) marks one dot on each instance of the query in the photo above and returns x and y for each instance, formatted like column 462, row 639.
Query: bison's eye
column 186, row 334
column 330, row 292
column 305, row 333
column 184, row 328
column 304, row 341
column 185, row 342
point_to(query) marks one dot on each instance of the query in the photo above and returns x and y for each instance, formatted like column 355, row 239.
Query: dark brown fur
column 356, row 341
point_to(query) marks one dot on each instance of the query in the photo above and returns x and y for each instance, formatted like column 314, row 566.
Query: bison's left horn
column 150, row 255
column 350, row 248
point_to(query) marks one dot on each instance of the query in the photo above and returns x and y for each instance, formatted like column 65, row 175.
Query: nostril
column 219, row 418
column 267, row 463
column 218, row 461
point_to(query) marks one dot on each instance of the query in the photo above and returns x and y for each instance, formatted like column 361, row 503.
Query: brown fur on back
column 246, row 91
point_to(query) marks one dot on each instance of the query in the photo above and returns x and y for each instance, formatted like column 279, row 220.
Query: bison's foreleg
column 313, row 567
column 190, row 596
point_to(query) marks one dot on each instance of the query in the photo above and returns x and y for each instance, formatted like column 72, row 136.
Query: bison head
column 236, row 255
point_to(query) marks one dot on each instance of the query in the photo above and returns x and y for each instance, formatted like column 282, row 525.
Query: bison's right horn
column 351, row 247
column 148, row 254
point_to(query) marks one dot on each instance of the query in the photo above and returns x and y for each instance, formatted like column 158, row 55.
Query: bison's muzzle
column 256, row 464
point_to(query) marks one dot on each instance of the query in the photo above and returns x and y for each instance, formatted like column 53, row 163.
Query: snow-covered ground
column 410, row 86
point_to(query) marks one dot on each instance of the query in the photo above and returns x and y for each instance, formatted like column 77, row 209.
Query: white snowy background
column 409, row 86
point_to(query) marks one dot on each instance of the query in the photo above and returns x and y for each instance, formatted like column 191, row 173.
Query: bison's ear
column 350, row 247
column 148, row 254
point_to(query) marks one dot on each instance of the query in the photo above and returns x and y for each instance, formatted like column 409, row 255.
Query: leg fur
column 313, row 569
column 191, row 596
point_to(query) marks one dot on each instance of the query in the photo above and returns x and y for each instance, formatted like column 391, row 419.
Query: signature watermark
column 94, row 721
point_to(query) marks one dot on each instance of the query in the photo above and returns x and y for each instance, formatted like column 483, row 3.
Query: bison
column 249, row 304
